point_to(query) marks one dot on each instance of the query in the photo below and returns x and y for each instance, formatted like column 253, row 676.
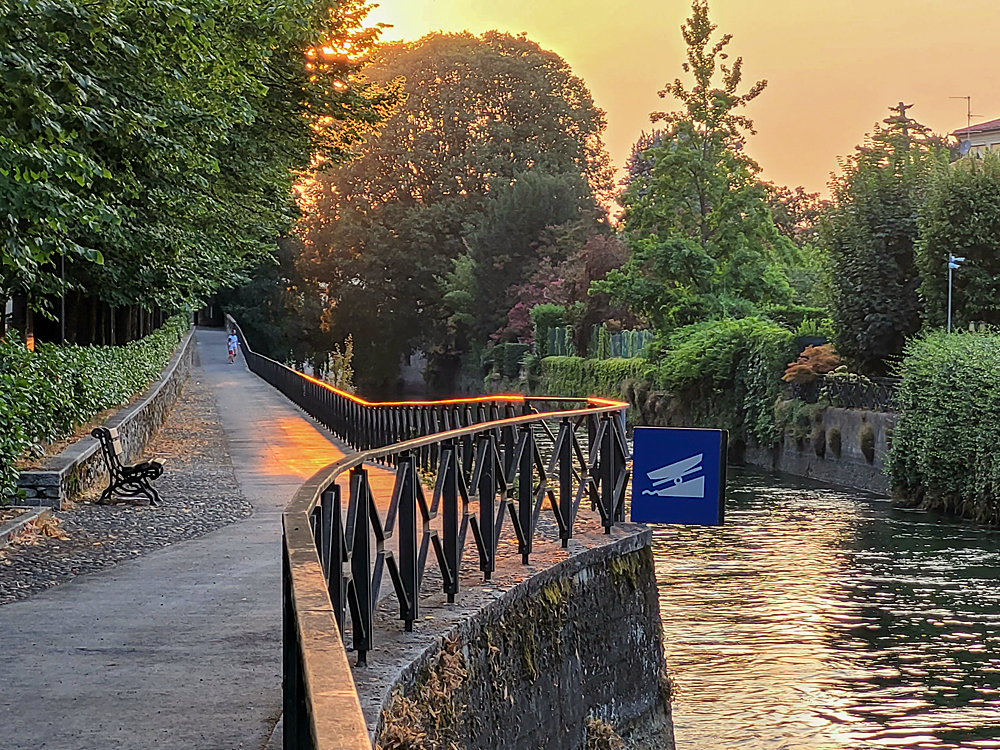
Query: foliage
column 578, row 377
column 732, row 368
column 796, row 213
column 339, row 372
column 814, row 360
column 507, row 240
column 962, row 217
column 544, row 317
column 702, row 239
column 871, row 231
column 799, row 419
column 944, row 443
column 605, row 344
column 151, row 145
column 47, row 393
column 491, row 125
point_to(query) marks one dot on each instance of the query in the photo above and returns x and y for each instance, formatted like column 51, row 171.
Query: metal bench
column 126, row 481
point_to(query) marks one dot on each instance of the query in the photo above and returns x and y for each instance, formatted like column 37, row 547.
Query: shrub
column 866, row 438
column 818, row 438
column 731, row 371
column 944, row 443
column 814, row 360
column 833, row 440
column 512, row 356
column 47, row 393
column 574, row 376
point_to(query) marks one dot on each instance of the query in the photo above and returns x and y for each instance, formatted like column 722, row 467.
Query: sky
column 833, row 66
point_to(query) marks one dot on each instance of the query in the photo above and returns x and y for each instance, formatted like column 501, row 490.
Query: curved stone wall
column 572, row 651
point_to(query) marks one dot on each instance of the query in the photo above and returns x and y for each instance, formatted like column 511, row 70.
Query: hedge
column 944, row 446
column 575, row 376
column 46, row 394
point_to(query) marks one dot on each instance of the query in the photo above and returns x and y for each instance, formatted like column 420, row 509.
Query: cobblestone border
column 81, row 465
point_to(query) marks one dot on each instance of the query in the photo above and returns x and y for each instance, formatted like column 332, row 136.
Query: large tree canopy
column 496, row 141
column 152, row 144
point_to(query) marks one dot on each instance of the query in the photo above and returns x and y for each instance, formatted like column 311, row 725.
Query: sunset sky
column 833, row 67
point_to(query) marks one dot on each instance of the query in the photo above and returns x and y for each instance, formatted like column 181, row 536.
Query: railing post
column 566, row 508
column 296, row 731
column 408, row 566
column 449, row 523
column 487, row 492
column 361, row 562
column 607, row 474
column 336, row 582
column 526, row 492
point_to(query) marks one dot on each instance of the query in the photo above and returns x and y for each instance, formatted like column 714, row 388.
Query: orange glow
column 507, row 398
column 832, row 68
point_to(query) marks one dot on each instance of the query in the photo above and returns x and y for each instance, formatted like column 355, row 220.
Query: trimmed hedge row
column 575, row 376
column 944, row 446
column 47, row 393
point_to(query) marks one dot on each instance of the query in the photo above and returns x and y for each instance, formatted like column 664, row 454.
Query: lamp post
column 953, row 263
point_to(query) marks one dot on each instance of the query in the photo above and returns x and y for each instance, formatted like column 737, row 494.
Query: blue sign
column 679, row 476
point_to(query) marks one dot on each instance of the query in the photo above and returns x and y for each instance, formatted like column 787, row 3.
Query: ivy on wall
column 46, row 394
column 575, row 376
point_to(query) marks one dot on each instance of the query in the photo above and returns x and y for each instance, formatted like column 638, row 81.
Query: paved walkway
column 180, row 648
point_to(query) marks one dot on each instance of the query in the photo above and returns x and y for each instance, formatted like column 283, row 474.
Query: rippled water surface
column 819, row 618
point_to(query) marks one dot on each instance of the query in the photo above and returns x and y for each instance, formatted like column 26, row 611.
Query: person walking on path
column 233, row 343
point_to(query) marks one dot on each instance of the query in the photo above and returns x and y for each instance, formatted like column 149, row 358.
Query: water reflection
column 821, row 619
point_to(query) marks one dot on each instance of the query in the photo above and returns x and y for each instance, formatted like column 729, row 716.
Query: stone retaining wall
column 82, row 465
column 819, row 457
column 577, row 647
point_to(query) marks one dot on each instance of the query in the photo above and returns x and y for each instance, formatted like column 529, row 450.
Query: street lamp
column 953, row 263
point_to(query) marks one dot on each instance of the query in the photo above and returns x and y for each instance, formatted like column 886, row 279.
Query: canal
column 819, row 618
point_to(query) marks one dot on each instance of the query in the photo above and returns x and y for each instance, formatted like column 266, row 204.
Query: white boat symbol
column 673, row 476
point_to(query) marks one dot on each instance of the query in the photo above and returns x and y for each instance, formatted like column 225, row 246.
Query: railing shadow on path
column 488, row 471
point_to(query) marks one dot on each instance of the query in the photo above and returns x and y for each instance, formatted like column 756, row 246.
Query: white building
column 980, row 138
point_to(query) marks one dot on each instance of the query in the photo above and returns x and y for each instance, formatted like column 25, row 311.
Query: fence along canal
column 484, row 453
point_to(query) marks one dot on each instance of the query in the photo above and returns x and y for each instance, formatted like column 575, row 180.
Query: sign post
column 679, row 476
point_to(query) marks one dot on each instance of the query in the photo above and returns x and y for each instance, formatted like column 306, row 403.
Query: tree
column 962, row 217
column 696, row 218
column 490, row 125
column 149, row 147
column 871, row 231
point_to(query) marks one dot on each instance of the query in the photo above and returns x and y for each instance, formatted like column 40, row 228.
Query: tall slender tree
column 871, row 230
column 696, row 216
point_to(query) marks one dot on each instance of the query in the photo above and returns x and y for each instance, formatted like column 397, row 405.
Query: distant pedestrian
column 233, row 343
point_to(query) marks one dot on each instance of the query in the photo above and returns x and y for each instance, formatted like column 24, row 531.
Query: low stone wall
column 849, row 447
column 81, row 464
column 575, row 649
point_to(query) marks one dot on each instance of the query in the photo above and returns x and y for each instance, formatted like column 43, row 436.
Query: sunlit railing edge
column 321, row 706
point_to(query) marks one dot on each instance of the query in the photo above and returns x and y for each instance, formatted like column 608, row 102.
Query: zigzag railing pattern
column 490, row 466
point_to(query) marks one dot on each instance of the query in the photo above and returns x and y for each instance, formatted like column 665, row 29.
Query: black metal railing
column 853, row 392
column 488, row 470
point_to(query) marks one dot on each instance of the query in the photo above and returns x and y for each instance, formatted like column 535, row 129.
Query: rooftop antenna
column 968, row 102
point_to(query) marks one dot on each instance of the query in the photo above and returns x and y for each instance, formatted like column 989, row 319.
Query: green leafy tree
column 151, row 146
column 702, row 239
column 871, row 230
column 962, row 217
column 488, row 122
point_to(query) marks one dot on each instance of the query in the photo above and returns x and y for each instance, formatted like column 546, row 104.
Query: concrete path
column 181, row 648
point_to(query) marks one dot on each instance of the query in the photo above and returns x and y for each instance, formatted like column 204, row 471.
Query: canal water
column 819, row 618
